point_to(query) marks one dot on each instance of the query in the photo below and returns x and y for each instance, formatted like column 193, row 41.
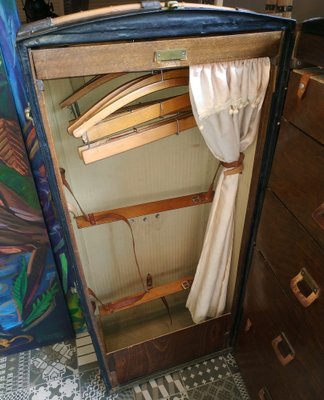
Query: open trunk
column 157, row 176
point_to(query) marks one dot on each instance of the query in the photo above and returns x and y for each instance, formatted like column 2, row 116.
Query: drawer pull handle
column 248, row 325
column 318, row 215
column 264, row 394
column 304, row 275
column 284, row 360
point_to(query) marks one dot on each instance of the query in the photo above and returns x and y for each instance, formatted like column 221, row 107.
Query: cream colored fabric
column 226, row 99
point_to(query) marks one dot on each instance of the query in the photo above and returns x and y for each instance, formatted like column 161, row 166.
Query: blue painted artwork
column 57, row 263
column 33, row 308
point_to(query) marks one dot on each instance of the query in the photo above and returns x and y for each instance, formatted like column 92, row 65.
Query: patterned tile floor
column 69, row 371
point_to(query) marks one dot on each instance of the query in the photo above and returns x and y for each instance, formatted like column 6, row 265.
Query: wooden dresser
column 280, row 347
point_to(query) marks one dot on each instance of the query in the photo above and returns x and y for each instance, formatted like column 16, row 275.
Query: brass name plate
column 171, row 55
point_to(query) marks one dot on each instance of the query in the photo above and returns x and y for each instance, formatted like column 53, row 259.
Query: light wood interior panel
column 86, row 60
column 168, row 244
column 175, row 166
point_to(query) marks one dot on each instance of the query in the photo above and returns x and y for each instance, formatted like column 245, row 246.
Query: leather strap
column 234, row 167
column 92, row 294
column 66, row 184
column 122, row 218
column 118, row 217
column 234, row 171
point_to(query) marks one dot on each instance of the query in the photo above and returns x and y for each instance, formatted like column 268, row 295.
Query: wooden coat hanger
column 97, row 106
column 88, row 87
column 137, row 116
column 127, row 94
column 136, row 138
column 130, row 97
column 124, row 89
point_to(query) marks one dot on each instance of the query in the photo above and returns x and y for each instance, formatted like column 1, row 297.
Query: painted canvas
column 33, row 309
column 9, row 25
column 30, row 290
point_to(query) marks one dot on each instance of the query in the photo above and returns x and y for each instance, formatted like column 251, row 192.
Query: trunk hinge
column 40, row 85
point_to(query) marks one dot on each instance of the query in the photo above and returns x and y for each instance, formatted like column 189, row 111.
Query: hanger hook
column 85, row 139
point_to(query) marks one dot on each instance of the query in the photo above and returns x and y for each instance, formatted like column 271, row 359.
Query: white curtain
column 226, row 100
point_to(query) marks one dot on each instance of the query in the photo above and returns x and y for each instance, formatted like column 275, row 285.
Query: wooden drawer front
column 166, row 351
column 270, row 312
column 310, row 349
column 310, row 48
column 297, row 177
column 307, row 112
column 270, row 309
column 288, row 248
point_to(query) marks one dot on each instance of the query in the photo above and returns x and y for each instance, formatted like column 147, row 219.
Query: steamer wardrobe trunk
column 131, row 176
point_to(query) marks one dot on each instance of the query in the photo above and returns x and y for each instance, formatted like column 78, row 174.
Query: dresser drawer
column 297, row 177
column 310, row 349
column 311, row 42
column 306, row 112
column 268, row 312
column 270, row 309
column 288, row 248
